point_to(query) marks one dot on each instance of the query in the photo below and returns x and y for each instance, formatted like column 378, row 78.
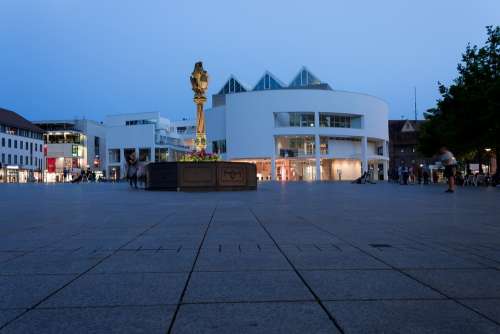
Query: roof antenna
column 415, row 94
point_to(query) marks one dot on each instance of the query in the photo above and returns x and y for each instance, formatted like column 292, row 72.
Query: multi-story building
column 72, row 146
column 150, row 136
column 301, row 131
column 21, row 149
column 403, row 141
column 186, row 130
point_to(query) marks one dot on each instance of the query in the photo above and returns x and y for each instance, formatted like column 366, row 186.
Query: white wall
column 120, row 119
column 130, row 136
column 249, row 118
column 215, row 125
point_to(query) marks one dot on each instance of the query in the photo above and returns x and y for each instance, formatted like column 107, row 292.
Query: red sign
column 51, row 165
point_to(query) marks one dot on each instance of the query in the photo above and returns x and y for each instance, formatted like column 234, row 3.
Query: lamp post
column 199, row 83
column 488, row 150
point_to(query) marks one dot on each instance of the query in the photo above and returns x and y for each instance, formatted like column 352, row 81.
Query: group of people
column 411, row 175
column 82, row 176
column 405, row 175
column 135, row 170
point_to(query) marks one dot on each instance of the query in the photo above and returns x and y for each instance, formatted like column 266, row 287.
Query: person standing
column 132, row 170
column 450, row 166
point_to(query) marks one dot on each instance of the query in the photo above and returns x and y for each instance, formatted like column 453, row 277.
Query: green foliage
column 467, row 116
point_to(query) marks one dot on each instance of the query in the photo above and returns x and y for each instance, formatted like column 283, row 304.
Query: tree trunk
column 497, row 158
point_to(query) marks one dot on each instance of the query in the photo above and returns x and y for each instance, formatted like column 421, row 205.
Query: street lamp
column 488, row 150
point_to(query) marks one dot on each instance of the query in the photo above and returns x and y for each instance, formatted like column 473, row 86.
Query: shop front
column 17, row 174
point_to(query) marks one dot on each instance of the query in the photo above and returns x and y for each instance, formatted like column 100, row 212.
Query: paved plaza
column 288, row 258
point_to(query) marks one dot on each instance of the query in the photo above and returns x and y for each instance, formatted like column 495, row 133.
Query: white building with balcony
column 73, row 146
column 301, row 131
column 150, row 136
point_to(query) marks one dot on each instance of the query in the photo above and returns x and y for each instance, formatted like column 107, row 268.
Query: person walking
column 450, row 166
column 132, row 170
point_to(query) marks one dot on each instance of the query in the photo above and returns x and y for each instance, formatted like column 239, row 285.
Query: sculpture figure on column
column 199, row 83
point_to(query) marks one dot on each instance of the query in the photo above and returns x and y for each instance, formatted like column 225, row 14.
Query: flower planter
column 201, row 176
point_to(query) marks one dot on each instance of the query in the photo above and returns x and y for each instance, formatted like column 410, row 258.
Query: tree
column 467, row 116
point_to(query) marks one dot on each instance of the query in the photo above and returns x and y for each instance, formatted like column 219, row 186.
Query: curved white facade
column 302, row 133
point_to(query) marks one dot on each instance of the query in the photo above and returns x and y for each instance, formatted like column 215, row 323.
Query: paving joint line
column 181, row 298
column 405, row 274
column 34, row 306
column 316, row 297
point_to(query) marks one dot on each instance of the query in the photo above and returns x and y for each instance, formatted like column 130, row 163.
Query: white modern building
column 301, row 131
column 73, row 146
column 150, row 136
column 21, row 149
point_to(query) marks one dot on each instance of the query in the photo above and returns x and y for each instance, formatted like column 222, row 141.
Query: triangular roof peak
column 304, row 78
column 268, row 81
column 408, row 127
column 232, row 85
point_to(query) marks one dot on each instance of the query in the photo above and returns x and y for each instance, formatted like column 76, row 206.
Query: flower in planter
column 201, row 156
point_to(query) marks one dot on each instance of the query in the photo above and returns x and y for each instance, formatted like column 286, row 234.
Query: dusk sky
column 61, row 59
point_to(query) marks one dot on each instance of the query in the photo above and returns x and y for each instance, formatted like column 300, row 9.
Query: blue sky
column 66, row 58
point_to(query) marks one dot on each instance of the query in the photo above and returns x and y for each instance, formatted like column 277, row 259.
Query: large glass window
column 219, row 146
column 145, row 154
column 295, row 169
column 114, row 155
column 161, row 154
column 74, row 150
column 293, row 119
column 232, row 86
column 330, row 120
column 97, row 146
column 304, row 78
column 323, row 145
column 294, row 146
column 267, row 82
column 64, row 138
column 127, row 152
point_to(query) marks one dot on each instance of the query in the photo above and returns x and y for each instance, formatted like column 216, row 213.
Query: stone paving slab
column 53, row 262
column 462, row 283
column 9, row 315
column 120, row 290
column 23, row 291
column 258, row 318
column 366, row 284
column 7, row 256
column 421, row 259
column 98, row 320
column 344, row 258
column 144, row 261
column 409, row 317
column 246, row 286
column 239, row 258
column 488, row 307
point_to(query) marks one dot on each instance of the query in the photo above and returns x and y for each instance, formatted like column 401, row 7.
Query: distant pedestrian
column 132, row 170
column 426, row 174
column 406, row 175
column 450, row 165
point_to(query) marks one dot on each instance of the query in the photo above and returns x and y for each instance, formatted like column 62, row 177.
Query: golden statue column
column 199, row 83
